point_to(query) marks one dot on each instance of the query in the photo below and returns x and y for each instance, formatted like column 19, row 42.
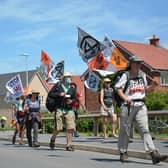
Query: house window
column 164, row 78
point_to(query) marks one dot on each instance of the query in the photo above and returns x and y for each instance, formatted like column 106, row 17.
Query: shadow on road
column 117, row 160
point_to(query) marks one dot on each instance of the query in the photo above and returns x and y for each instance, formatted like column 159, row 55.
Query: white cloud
column 28, row 35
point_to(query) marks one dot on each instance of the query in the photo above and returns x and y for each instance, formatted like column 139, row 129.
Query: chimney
column 154, row 41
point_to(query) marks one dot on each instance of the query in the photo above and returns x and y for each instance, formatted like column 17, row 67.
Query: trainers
column 21, row 142
column 36, row 144
column 114, row 136
column 76, row 134
column 123, row 156
column 52, row 144
column 70, row 148
column 157, row 157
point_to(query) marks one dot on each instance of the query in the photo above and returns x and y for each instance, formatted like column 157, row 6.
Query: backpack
column 115, row 78
column 52, row 103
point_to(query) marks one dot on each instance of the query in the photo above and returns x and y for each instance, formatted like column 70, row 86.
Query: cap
column 35, row 91
column 107, row 80
column 135, row 59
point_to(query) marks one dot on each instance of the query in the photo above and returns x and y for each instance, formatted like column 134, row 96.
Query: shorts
column 68, row 118
column 109, row 112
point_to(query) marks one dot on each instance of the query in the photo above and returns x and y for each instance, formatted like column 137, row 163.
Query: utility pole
column 26, row 66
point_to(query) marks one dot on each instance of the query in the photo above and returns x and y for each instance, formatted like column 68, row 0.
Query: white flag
column 103, row 73
column 88, row 46
column 56, row 73
column 92, row 81
column 109, row 48
column 9, row 98
column 14, row 86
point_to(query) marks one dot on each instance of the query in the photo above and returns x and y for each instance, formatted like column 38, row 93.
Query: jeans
column 29, row 126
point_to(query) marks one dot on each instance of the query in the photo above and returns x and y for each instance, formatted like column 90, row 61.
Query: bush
column 157, row 100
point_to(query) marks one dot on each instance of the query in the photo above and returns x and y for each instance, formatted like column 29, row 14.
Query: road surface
column 16, row 156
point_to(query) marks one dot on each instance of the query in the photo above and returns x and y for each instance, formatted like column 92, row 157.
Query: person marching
column 33, row 118
column 133, row 108
column 78, row 104
column 18, row 119
column 107, row 107
column 64, row 111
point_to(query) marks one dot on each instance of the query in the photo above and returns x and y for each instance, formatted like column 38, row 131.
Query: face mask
column 67, row 80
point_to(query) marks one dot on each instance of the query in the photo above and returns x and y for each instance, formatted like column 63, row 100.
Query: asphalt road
column 16, row 156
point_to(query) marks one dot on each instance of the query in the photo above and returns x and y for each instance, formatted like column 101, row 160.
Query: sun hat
column 35, row 91
column 67, row 74
column 107, row 80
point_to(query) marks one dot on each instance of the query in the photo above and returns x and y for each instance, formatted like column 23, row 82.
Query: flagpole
column 26, row 66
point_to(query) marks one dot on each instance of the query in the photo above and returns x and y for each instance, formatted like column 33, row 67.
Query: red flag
column 98, row 62
column 46, row 60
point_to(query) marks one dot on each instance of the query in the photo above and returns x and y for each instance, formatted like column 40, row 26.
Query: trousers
column 137, row 114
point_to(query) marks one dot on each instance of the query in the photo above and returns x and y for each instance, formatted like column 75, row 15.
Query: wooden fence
column 96, row 115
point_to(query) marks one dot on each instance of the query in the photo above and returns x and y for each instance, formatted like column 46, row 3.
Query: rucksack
column 52, row 103
column 115, row 78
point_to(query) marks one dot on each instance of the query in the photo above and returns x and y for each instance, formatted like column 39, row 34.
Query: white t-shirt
column 135, row 88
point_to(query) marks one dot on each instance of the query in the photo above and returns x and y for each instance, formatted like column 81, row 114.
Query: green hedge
column 157, row 100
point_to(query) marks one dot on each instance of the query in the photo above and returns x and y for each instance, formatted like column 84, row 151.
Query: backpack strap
column 128, row 79
column 140, row 75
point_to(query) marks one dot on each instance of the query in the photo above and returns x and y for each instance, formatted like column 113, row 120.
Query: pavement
column 96, row 144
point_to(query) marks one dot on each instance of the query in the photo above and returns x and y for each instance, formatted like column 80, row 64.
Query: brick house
column 155, row 66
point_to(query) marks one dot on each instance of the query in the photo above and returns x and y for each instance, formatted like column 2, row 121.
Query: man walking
column 64, row 111
column 134, row 108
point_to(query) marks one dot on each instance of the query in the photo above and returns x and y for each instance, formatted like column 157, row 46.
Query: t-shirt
column 135, row 88
column 33, row 106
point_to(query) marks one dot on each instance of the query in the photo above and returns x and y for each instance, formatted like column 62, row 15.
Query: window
column 164, row 78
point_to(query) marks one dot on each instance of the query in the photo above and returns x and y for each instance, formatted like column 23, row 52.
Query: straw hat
column 35, row 91
column 107, row 80
column 67, row 74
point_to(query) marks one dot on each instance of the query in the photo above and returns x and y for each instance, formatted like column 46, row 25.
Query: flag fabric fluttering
column 88, row 46
column 117, row 60
column 9, row 98
column 46, row 64
column 92, row 81
column 14, row 86
column 110, row 59
column 103, row 73
column 102, row 58
column 56, row 73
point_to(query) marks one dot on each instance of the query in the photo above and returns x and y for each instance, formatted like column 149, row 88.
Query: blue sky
column 28, row 26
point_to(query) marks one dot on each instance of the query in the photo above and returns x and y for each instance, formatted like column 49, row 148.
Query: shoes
column 157, row 157
column 70, row 148
column 13, row 140
column 36, row 144
column 52, row 144
column 76, row 134
column 114, row 136
column 21, row 142
column 30, row 144
column 123, row 156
